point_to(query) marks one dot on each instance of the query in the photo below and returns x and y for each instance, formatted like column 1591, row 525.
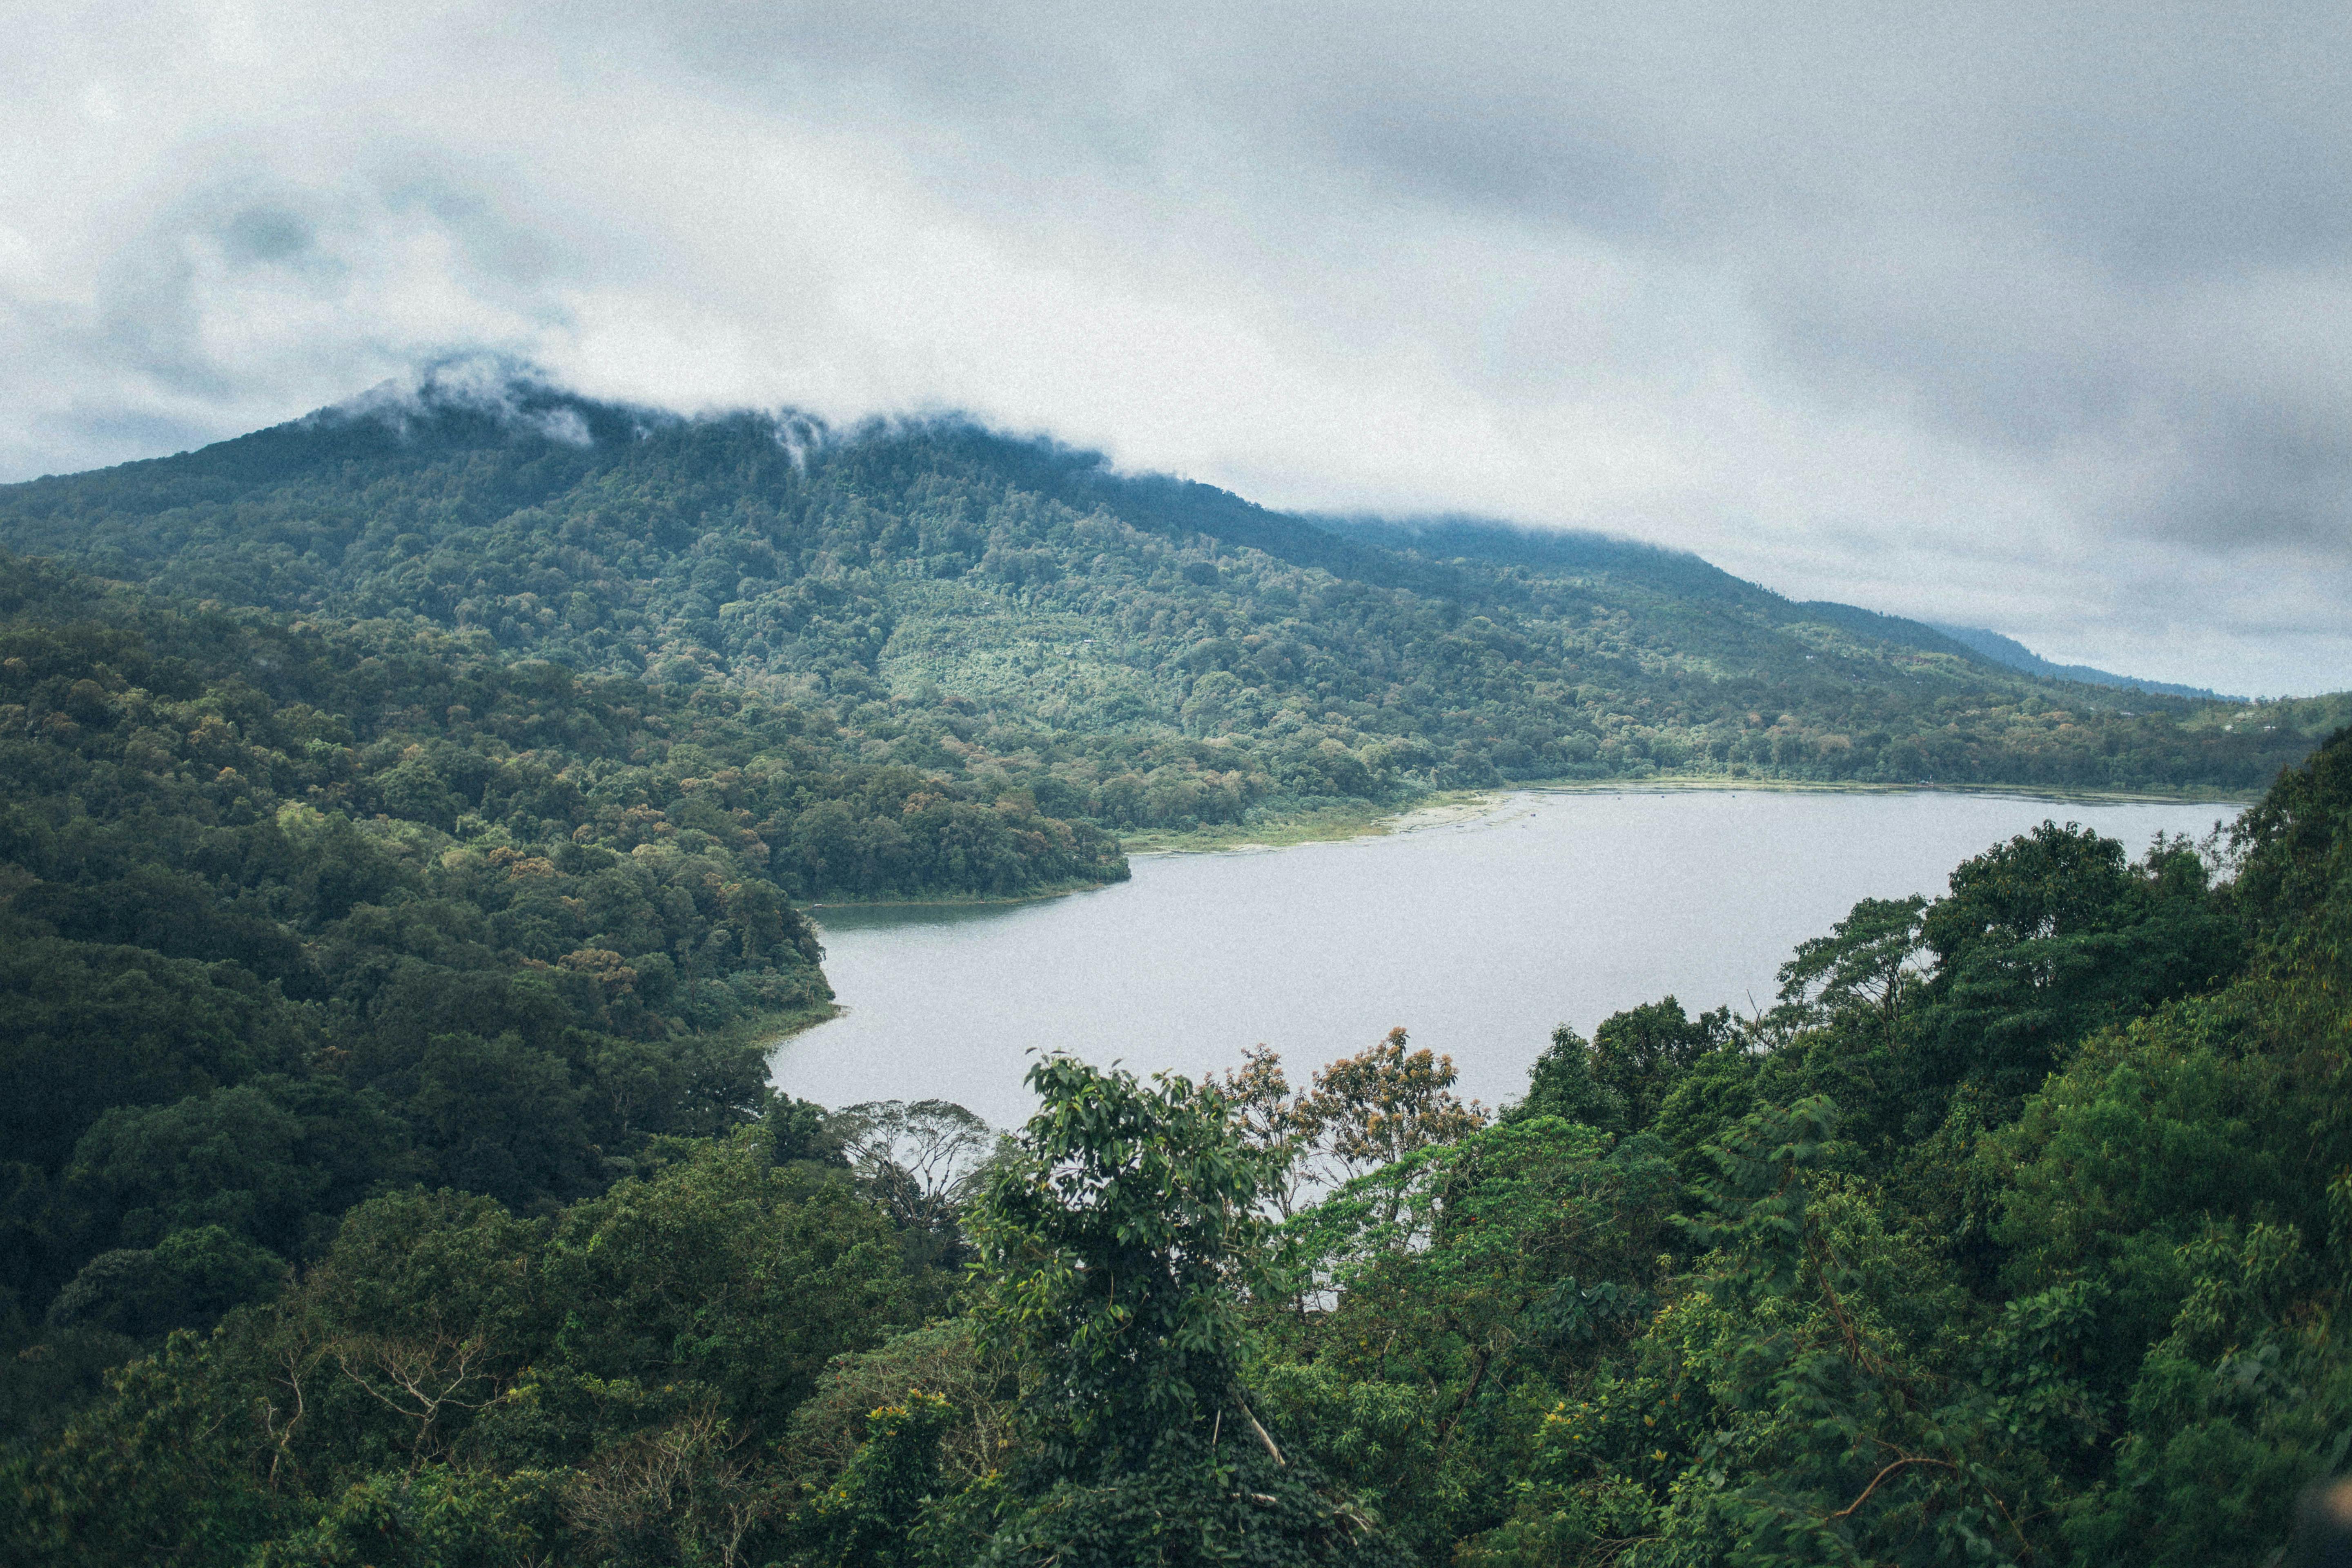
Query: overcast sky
column 2037, row 317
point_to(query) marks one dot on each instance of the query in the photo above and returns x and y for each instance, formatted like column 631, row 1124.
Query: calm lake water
column 1476, row 934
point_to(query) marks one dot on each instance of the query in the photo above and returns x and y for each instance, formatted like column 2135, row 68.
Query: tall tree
column 1117, row 1244
column 1367, row 1110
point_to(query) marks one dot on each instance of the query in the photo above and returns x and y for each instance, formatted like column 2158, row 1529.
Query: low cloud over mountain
column 2023, row 319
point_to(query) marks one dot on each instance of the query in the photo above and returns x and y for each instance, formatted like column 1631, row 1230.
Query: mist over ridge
column 1254, row 655
column 514, row 395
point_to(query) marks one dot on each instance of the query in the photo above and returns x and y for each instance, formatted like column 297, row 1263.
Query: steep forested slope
column 293, row 910
column 1142, row 651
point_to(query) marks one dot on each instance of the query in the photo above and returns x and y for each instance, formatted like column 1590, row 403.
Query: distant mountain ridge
column 1486, row 539
column 1452, row 536
column 2017, row 655
column 1136, row 650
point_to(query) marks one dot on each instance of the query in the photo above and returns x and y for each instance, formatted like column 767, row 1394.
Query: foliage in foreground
column 2017, row 1233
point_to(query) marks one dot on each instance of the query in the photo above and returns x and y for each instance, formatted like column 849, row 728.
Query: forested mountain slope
column 1140, row 651
column 294, row 909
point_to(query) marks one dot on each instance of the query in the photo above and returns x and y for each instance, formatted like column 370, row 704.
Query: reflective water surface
column 1477, row 935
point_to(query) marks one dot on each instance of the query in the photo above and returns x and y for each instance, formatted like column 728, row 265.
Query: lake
column 1477, row 933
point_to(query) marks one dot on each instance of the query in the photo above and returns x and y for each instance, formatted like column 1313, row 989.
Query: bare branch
column 1902, row 1463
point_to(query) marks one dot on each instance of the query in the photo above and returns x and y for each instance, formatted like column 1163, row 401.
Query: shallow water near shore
column 1477, row 932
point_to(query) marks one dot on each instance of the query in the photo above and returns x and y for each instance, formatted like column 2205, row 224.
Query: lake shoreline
column 1440, row 808
column 773, row 1027
column 2194, row 796
column 1445, row 807
column 1533, row 908
column 961, row 901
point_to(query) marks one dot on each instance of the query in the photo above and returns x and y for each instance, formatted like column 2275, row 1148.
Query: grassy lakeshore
column 770, row 1029
column 1831, row 786
column 956, row 901
column 1368, row 819
column 1353, row 820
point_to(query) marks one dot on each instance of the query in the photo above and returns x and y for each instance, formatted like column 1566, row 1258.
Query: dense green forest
column 2018, row 1232
column 406, row 821
column 1137, row 652
column 290, row 911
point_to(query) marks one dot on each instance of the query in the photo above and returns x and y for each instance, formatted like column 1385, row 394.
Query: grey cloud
column 1980, row 212
column 2255, row 479
column 2023, row 314
column 511, row 390
column 267, row 235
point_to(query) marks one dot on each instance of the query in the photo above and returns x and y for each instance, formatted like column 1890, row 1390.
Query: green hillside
column 1142, row 652
column 292, row 909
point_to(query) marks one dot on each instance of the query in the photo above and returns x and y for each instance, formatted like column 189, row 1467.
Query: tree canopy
column 1842, row 1283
